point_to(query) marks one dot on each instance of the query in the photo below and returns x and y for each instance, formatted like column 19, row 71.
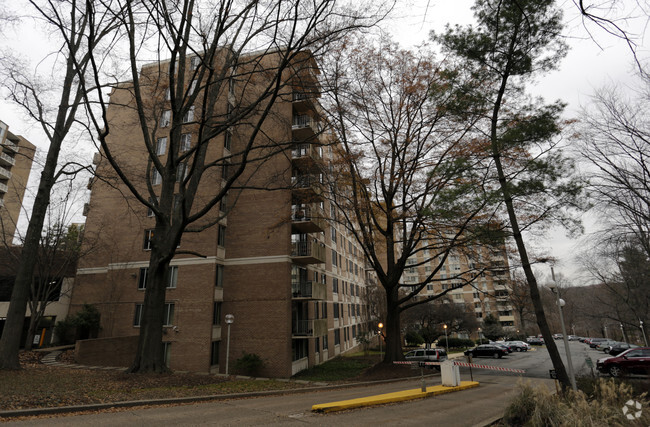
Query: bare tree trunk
column 393, row 333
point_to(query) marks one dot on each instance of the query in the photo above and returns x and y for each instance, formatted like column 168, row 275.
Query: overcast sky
column 595, row 59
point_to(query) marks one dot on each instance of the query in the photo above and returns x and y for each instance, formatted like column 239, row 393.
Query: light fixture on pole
column 229, row 320
column 645, row 340
column 446, row 339
column 605, row 328
column 623, row 332
column 480, row 340
column 560, row 304
column 381, row 325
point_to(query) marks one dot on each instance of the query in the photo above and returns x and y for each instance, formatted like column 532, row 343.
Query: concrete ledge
column 398, row 396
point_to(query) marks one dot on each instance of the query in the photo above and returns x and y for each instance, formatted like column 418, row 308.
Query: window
column 336, row 310
column 173, row 277
column 337, row 337
column 335, row 285
column 223, row 204
column 156, row 177
column 168, row 317
column 224, row 170
column 229, row 110
column 227, row 140
column 161, row 146
column 334, row 258
column 181, row 170
column 189, row 115
column 148, row 239
column 221, row 238
column 168, row 94
column 429, row 287
column 219, row 278
column 324, row 307
column 150, row 212
column 231, row 86
column 165, row 118
column 192, row 87
column 325, row 342
column 317, row 345
column 137, row 318
column 216, row 313
column 333, row 235
column 166, row 352
column 142, row 280
column 214, row 353
column 186, row 142
column 195, row 62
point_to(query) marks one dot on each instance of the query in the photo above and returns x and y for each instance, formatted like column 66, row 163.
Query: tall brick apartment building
column 489, row 292
column 16, row 156
column 292, row 279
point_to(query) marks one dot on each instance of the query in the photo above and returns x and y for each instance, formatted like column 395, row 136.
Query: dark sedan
column 488, row 350
column 620, row 348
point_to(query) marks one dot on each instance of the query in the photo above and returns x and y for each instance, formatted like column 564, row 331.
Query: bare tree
column 53, row 102
column 406, row 185
column 214, row 73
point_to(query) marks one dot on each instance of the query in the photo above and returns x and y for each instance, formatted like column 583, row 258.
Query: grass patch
column 337, row 369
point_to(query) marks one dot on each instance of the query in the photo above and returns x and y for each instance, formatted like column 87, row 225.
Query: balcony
column 11, row 145
column 4, row 173
column 308, row 290
column 308, row 328
column 308, row 218
column 305, row 127
column 6, row 159
column 308, row 252
column 3, row 188
column 2, row 203
column 307, row 187
column 307, row 157
column 303, row 101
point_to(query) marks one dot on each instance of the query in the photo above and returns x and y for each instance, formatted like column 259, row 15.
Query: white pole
column 229, row 319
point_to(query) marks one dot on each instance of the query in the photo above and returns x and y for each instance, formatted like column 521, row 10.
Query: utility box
column 450, row 374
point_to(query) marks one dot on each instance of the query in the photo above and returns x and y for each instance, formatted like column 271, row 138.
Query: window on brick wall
column 168, row 316
column 214, row 353
column 137, row 317
column 219, row 278
column 216, row 313
column 337, row 336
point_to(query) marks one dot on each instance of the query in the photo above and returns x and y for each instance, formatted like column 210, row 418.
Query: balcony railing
column 11, row 145
column 309, row 186
column 305, row 126
column 308, row 252
column 308, row 218
column 4, row 173
column 7, row 159
column 3, row 188
column 309, row 328
column 308, row 290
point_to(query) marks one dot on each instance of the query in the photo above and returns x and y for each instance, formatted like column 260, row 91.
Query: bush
column 413, row 338
column 482, row 341
column 249, row 364
column 539, row 406
column 65, row 331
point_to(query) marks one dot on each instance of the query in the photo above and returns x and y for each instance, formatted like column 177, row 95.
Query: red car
column 633, row 361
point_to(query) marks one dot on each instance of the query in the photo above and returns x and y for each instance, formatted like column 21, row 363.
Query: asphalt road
column 473, row 407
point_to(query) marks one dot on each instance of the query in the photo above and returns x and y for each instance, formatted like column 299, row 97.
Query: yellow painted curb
column 398, row 396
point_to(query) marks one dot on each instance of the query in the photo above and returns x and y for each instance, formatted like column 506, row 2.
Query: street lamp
column 229, row 320
column 623, row 332
column 645, row 340
column 605, row 327
column 480, row 340
column 560, row 304
column 381, row 325
column 446, row 339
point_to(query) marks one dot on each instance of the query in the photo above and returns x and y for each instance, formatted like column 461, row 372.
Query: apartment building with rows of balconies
column 292, row 278
column 16, row 156
column 476, row 277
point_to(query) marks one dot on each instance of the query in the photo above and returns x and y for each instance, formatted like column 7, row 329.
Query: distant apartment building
column 292, row 278
column 16, row 156
column 486, row 268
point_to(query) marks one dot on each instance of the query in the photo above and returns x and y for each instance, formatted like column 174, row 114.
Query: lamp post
column 645, row 340
column 605, row 328
column 623, row 332
column 381, row 325
column 560, row 304
column 229, row 320
column 446, row 339
column 480, row 340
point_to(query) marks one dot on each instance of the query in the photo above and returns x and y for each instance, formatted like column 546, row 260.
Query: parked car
column 593, row 342
column 574, row 338
column 632, row 361
column 427, row 355
column 518, row 345
column 558, row 336
column 605, row 345
column 535, row 341
column 502, row 344
column 620, row 348
column 489, row 350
